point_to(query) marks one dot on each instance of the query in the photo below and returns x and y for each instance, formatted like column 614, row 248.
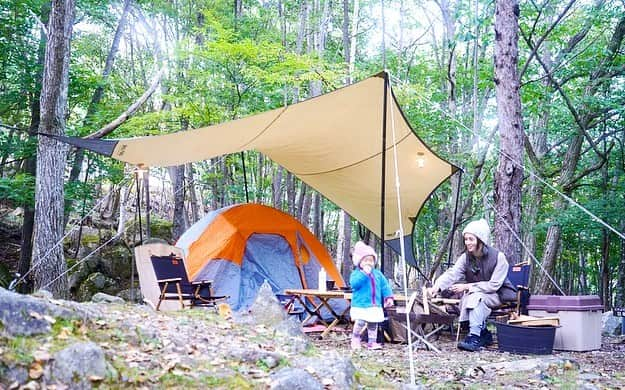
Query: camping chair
column 173, row 283
column 519, row 275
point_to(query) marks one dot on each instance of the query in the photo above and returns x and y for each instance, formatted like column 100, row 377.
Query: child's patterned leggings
column 372, row 330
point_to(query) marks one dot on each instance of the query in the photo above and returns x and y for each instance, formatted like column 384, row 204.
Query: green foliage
column 19, row 189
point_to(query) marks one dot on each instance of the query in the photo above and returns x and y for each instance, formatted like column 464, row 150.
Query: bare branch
column 131, row 110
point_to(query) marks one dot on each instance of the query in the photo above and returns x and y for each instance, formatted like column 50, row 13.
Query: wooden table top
column 334, row 294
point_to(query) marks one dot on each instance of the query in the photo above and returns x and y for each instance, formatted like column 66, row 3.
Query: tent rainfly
column 332, row 142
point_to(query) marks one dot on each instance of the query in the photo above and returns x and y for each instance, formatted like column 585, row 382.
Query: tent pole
column 383, row 189
column 453, row 220
column 247, row 196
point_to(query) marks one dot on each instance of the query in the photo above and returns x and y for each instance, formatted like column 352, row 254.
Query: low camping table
column 324, row 298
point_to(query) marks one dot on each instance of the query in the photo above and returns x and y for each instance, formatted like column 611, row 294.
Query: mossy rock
column 161, row 228
column 95, row 283
column 116, row 262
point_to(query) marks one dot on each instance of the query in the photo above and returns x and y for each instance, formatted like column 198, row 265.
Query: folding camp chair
column 519, row 275
column 173, row 283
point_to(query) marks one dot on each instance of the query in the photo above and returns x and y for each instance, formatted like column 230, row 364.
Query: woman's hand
column 460, row 287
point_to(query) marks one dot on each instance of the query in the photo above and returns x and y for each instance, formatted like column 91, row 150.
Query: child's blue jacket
column 367, row 292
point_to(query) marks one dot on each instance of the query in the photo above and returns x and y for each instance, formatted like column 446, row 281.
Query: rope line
column 401, row 238
column 522, row 244
column 101, row 246
column 530, row 171
column 45, row 256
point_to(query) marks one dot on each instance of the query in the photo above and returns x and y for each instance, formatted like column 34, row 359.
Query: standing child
column 370, row 290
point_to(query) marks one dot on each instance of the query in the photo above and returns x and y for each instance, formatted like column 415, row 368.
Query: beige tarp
column 331, row 142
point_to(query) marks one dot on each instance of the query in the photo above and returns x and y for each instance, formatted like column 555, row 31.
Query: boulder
column 266, row 310
column 293, row 379
column 23, row 315
column 96, row 282
column 331, row 369
column 610, row 325
column 77, row 365
column 131, row 296
column 105, row 298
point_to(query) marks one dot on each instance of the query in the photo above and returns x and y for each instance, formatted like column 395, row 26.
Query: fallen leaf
column 35, row 371
column 64, row 334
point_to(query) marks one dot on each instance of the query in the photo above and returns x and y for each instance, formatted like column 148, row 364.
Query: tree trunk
column 179, row 220
column 620, row 283
column 97, row 97
column 193, row 199
column 552, row 243
column 509, row 175
column 306, row 206
column 30, row 166
column 49, row 265
column 583, row 275
column 276, row 186
column 317, row 216
column 290, row 194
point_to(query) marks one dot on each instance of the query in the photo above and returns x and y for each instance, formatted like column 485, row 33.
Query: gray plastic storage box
column 580, row 319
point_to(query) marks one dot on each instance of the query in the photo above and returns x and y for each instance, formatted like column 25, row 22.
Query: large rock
column 78, row 364
column 96, row 282
column 23, row 315
column 610, row 325
column 332, row 370
column 105, row 298
column 266, row 309
column 293, row 379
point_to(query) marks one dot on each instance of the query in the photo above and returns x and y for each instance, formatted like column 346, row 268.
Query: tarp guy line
column 521, row 165
column 42, row 258
column 401, row 245
column 523, row 244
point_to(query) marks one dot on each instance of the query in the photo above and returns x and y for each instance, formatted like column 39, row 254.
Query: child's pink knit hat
column 361, row 250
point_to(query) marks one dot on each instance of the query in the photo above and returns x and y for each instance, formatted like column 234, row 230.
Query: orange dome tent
column 241, row 246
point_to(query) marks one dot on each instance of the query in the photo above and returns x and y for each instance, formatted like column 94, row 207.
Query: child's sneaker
column 374, row 346
column 355, row 343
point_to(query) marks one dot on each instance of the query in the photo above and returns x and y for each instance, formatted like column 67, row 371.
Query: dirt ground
column 489, row 368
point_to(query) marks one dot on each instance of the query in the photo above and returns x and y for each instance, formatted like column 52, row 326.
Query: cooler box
column 580, row 319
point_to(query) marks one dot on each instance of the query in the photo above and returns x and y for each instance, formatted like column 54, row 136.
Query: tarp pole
column 402, row 248
column 383, row 184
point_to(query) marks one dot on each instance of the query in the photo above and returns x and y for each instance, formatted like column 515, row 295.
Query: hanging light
column 420, row 159
column 140, row 170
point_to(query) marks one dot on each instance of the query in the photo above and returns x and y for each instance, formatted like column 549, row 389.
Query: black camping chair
column 173, row 283
column 519, row 276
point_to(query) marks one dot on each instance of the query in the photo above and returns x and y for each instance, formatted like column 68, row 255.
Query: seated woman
column 484, row 271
